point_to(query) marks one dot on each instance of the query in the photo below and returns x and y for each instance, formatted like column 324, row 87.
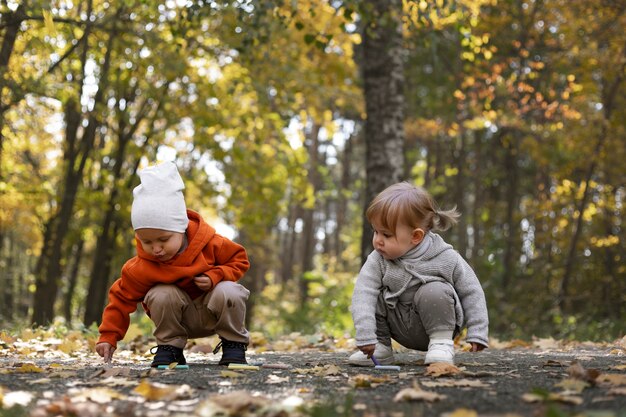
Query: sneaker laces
column 164, row 347
column 228, row 344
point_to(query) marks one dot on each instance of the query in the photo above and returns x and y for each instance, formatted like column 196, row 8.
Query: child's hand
column 367, row 350
column 203, row 282
column 476, row 347
column 105, row 350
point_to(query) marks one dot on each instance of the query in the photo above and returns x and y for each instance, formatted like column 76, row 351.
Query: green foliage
column 327, row 312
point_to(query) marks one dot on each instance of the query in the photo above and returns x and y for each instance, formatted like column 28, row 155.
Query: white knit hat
column 158, row 202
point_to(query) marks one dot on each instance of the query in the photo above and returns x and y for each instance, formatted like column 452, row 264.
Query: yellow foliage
column 603, row 242
column 589, row 212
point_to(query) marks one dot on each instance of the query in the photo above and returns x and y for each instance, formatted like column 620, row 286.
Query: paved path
column 320, row 383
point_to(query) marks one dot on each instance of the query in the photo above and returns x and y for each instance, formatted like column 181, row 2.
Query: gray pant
column 177, row 317
column 420, row 311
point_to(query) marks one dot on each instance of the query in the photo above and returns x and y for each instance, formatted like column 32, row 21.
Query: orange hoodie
column 207, row 253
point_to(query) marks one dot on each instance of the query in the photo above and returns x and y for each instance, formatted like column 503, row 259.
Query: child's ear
column 418, row 236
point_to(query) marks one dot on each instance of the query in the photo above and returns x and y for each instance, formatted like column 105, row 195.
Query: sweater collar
column 418, row 251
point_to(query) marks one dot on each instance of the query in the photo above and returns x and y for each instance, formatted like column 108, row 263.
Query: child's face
column 392, row 245
column 161, row 244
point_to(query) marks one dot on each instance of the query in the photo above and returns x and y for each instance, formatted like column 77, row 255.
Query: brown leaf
column 613, row 379
column 368, row 381
column 438, row 369
column 577, row 371
column 236, row 403
column 455, row 383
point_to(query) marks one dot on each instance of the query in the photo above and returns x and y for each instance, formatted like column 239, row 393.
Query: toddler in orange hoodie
column 185, row 275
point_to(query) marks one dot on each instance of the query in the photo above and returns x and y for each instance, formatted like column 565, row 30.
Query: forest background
column 286, row 117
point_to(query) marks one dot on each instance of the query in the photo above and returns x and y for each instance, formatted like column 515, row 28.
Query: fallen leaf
column 575, row 385
column 97, row 395
column 613, row 379
column 417, row 394
column 29, row 368
column 275, row 379
column 368, row 381
column 117, row 382
column 577, row 371
column 440, row 369
column 236, row 403
column 326, row 370
column 536, row 398
column 455, row 383
column 546, row 344
column 161, row 392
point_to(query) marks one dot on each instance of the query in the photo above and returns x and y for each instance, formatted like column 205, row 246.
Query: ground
column 543, row 378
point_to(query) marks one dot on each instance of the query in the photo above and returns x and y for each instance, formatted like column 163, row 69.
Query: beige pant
column 177, row 317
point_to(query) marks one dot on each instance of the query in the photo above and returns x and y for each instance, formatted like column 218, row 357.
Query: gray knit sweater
column 431, row 260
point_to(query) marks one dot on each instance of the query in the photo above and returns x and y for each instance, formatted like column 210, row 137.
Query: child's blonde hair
column 410, row 205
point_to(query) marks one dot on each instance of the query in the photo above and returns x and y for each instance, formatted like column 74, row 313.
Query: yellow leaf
column 573, row 385
column 156, row 391
column 463, row 412
column 49, row 23
column 29, row 368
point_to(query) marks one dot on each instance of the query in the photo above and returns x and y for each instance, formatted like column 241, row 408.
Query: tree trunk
column 461, row 229
column 47, row 278
column 12, row 20
column 73, row 280
column 308, row 218
column 478, row 197
column 7, row 275
column 510, row 167
column 105, row 246
column 288, row 243
column 344, row 187
column 383, row 81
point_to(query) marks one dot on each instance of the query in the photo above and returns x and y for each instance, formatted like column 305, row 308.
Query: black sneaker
column 167, row 354
column 232, row 352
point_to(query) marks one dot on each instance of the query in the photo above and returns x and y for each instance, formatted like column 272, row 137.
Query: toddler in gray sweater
column 414, row 287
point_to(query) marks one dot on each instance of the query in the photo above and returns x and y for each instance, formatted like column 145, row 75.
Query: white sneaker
column 383, row 354
column 440, row 350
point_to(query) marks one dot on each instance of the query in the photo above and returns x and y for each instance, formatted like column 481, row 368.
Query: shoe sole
column 438, row 360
